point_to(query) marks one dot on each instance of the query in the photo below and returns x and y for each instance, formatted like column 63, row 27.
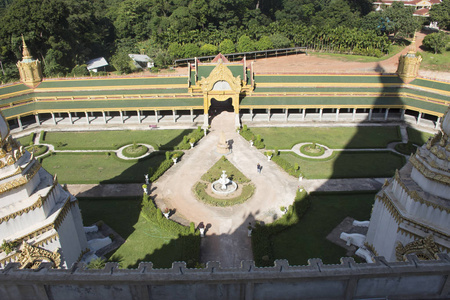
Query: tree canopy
column 67, row 33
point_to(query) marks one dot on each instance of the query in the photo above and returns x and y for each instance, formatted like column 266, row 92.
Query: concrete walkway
column 226, row 239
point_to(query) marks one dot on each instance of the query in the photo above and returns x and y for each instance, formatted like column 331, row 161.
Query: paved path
column 227, row 239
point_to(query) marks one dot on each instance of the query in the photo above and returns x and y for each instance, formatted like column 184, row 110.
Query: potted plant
column 192, row 142
column 166, row 213
column 175, row 158
column 144, row 187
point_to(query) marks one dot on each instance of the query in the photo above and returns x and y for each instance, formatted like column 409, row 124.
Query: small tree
column 98, row 263
column 436, row 41
column 227, row 46
column 245, row 44
column 208, row 49
column 167, row 155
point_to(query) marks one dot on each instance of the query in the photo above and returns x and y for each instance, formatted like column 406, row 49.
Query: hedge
column 191, row 241
column 200, row 192
column 141, row 151
column 258, row 142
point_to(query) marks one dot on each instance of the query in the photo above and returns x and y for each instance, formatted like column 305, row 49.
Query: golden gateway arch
column 222, row 85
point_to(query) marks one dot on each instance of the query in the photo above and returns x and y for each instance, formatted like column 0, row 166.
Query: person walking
column 258, row 168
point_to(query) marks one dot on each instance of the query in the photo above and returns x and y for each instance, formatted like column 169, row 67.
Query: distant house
column 142, row 61
column 95, row 64
column 422, row 7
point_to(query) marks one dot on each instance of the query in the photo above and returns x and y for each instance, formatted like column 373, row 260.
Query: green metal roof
column 339, row 78
column 112, row 82
column 432, row 84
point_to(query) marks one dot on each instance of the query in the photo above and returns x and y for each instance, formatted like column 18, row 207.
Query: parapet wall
column 413, row 279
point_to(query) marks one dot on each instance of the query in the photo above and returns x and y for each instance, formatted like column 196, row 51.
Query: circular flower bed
column 245, row 191
column 37, row 149
column 134, row 151
column 312, row 150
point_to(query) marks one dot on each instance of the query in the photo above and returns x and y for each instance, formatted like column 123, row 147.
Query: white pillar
column 268, row 114
column 156, row 116
column 251, row 114
column 36, row 117
column 386, row 114
column 121, row 116
column 286, row 114
column 402, row 116
column 53, row 118
column 20, row 123
column 320, row 114
column 70, row 118
column 438, row 123
column 303, row 114
column 419, row 117
column 139, row 116
column 76, row 114
column 192, row 115
column 354, row 114
column 370, row 114
column 104, row 117
column 87, row 117
column 174, row 115
column 337, row 114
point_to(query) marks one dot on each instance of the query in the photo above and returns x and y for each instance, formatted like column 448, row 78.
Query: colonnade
column 157, row 114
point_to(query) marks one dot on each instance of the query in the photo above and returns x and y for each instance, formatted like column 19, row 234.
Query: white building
column 39, row 220
column 142, row 61
column 411, row 214
column 95, row 64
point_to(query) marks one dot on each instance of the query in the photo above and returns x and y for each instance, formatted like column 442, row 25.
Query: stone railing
column 414, row 279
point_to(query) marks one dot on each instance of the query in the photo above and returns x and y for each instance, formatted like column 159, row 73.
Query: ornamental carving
column 220, row 73
column 21, row 180
column 441, row 178
column 424, row 249
column 2, row 153
column 31, row 257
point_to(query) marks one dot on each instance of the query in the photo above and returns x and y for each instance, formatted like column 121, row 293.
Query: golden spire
column 25, row 52
column 412, row 46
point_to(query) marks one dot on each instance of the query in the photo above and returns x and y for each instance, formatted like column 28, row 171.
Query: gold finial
column 412, row 46
column 25, row 52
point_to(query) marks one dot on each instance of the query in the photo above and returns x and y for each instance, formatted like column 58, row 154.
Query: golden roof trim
column 32, row 171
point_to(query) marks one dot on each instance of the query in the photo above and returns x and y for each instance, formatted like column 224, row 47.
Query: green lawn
column 145, row 241
column 325, row 213
column 418, row 137
column 359, row 58
column 112, row 140
column 436, row 62
column 26, row 140
column 99, row 167
column 348, row 164
column 332, row 137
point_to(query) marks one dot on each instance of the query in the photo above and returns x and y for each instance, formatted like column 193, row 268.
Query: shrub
column 98, row 263
column 192, row 227
column 192, row 137
column 245, row 127
column 291, row 170
column 167, row 155
column 134, row 150
column 249, row 136
column 8, row 247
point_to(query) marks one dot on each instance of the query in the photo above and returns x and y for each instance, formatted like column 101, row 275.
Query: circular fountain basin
column 230, row 187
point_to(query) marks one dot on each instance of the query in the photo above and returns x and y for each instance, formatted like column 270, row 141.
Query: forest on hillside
column 64, row 34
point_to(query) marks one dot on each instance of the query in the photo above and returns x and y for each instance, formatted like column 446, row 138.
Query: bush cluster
column 165, row 165
column 262, row 234
column 247, row 134
column 194, row 137
column 312, row 150
column 290, row 169
column 37, row 149
column 406, row 149
column 191, row 244
column 200, row 192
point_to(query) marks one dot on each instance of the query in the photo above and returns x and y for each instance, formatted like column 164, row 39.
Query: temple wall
column 71, row 246
column 413, row 279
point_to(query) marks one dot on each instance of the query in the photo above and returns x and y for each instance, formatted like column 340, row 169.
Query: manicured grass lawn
column 26, row 140
column 418, row 137
column 307, row 238
column 436, row 62
column 332, row 137
column 99, row 167
column 112, row 140
column 145, row 241
column 348, row 164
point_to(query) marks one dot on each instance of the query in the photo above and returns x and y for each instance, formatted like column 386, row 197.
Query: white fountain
column 224, row 185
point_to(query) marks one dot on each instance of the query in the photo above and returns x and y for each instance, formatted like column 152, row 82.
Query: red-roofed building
column 422, row 7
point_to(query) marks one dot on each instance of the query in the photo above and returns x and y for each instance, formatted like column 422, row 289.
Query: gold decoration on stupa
column 30, row 69
column 409, row 64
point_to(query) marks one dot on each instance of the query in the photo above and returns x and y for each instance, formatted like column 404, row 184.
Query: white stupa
column 39, row 220
column 411, row 214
